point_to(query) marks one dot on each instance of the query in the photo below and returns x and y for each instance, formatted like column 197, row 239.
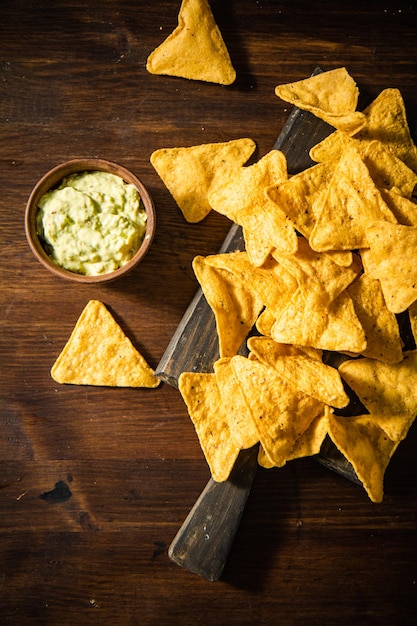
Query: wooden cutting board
column 204, row 540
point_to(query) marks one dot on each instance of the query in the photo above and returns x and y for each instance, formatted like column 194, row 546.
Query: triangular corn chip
column 235, row 307
column 190, row 173
column 317, row 272
column 305, row 322
column 367, row 447
column 389, row 260
column 300, row 199
column 195, row 49
column 383, row 340
column 245, row 202
column 386, row 120
column 384, row 389
column 332, row 96
column 281, row 414
column 296, row 196
column 351, row 203
column 308, row 444
column 308, row 374
column 238, row 414
column 271, row 283
column 403, row 209
column 387, row 170
column 205, row 408
column 257, row 248
column 99, row 353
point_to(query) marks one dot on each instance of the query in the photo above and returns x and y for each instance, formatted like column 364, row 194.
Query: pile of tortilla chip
column 195, row 49
column 329, row 267
column 99, row 353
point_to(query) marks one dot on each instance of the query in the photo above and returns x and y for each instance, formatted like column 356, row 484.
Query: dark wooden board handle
column 203, row 542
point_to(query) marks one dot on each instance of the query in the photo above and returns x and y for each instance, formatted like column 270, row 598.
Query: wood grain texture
column 311, row 548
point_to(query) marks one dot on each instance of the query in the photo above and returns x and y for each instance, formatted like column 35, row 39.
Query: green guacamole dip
column 93, row 223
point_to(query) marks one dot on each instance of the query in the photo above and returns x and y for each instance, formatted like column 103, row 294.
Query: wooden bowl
column 52, row 179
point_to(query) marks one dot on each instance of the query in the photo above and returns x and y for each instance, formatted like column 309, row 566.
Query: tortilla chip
column 389, row 260
column 383, row 340
column 332, row 147
column 195, row 49
column 386, row 122
column 311, row 440
column 205, row 407
column 403, row 209
column 244, row 201
column 265, row 322
column 367, row 447
column 272, row 283
column 317, row 272
column 273, row 350
column 281, row 414
column 387, row 170
column 305, row 322
column 351, row 203
column 257, row 249
column 190, row 173
column 296, row 196
column 99, row 353
column 385, row 389
column 307, row 374
column 238, row 414
column 308, row 444
column 235, row 307
column 332, row 96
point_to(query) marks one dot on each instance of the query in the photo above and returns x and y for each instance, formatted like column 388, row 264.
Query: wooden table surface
column 123, row 467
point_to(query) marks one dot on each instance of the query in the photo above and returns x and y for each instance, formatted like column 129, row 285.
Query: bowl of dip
column 90, row 220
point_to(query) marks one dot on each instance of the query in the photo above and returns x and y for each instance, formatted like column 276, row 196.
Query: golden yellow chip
column 386, row 121
column 317, row 272
column 332, row 147
column 99, row 353
column 281, row 414
column 301, row 198
column 273, row 350
column 272, row 283
column 311, row 440
column 332, row 96
column 235, row 307
column 396, row 427
column 265, row 322
column 195, row 49
column 244, row 201
column 305, row 322
column 297, row 196
column 366, row 446
column 190, row 173
column 351, row 203
column 383, row 340
column 389, row 260
column 202, row 398
column 308, row 444
column 238, row 414
column 387, row 391
column 306, row 373
column 258, row 249
column 403, row 209
column 387, row 170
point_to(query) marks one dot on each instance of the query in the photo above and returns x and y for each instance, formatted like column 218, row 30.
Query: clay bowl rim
column 50, row 180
